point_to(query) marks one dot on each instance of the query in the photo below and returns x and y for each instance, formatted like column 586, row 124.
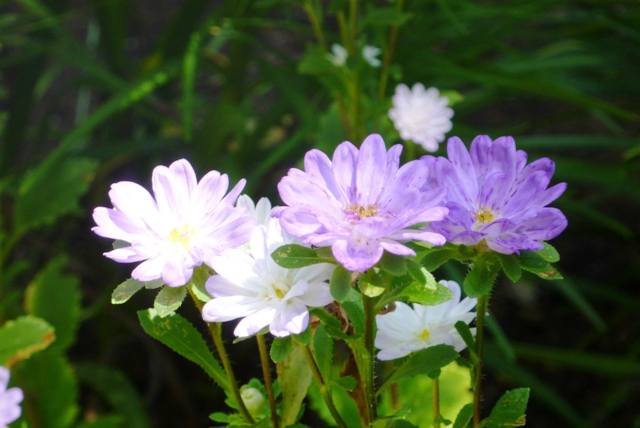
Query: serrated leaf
column 125, row 291
column 437, row 257
column 280, row 348
column 534, row 263
column 156, row 283
column 548, row 253
column 52, row 189
column 294, row 377
column 303, row 338
column 510, row 266
column 169, row 299
column 465, row 333
column 293, row 256
column 55, row 297
column 340, row 283
column 179, row 335
column 323, row 351
column 510, row 410
column 118, row 391
column 22, row 337
column 395, row 265
column 464, row 416
column 423, row 361
column 480, row 280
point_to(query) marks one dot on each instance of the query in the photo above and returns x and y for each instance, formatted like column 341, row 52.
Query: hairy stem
column 324, row 389
column 215, row 330
column 369, row 336
column 483, row 303
column 264, row 359
column 436, row 402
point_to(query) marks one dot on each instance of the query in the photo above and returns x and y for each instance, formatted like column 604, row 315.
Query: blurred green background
column 94, row 92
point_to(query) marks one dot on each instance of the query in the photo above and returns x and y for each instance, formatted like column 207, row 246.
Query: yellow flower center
column 485, row 216
column 183, row 236
column 424, row 335
column 362, row 211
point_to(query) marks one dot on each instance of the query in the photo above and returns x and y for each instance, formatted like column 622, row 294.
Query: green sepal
column 340, row 283
column 280, row 348
column 480, row 280
column 169, row 299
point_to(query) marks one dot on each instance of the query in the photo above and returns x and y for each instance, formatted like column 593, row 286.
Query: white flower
column 338, row 55
column 187, row 223
column 255, row 288
column 9, row 399
column 261, row 211
column 420, row 115
column 406, row 330
column 369, row 53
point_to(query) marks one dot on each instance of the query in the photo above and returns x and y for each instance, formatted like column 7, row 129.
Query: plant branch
column 483, row 303
column 264, row 359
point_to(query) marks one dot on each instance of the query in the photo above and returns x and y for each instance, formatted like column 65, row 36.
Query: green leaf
column 22, row 337
column 355, row 311
column 385, row 16
column 280, row 348
column 197, row 283
column 125, row 291
column 548, row 253
column 303, row 338
column 55, row 297
column 51, row 384
column 371, row 284
column 294, row 376
column 340, row 283
column 395, row 265
column 169, row 299
column 52, row 189
column 480, row 280
column 464, row 416
column 417, row 272
column 292, row 256
column 179, row 335
column 424, row 295
column 463, row 329
column 347, row 382
column 189, row 70
column 315, row 62
column 422, row 362
column 532, row 262
column 438, row 256
column 118, row 391
column 323, row 351
column 509, row 411
column 510, row 266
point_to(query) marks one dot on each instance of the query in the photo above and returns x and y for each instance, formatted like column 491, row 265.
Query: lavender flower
column 253, row 287
column 493, row 197
column 360, row 203
column 10, row 399
column 407, row 329
column 186, row 224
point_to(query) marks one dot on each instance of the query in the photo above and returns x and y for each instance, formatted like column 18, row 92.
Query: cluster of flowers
column 360, row 203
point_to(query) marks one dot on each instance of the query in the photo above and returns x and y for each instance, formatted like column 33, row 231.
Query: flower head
column 338, row 55
column 255, row 288
column 420, row 115
column 360, row 203
column 187, row 223
column 10, row 399
column 492, row 195
column 370, row 53
column 407, row 329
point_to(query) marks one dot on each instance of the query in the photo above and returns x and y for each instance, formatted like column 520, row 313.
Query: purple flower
column 10, row 399
column 493, row 197
column 188, row 222
column 360, row 203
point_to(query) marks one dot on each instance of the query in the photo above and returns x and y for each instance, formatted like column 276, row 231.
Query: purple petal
column 357, row 253
column 292, row 319
column 344, row 163
column 548, row 224
column 462, row 166
column 175, row 273
column 480, row 153
column 526, row 193
column 149, row 270
column 255, row 322
column 372, row 161
column 318, row 166
column 550, row 195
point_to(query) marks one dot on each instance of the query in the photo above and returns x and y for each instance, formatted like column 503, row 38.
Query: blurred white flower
column 338, row 55
column 369, row 53
column 10, row 399
column 420, row 115
column 407, row 329
column 253, row 287
column 261, row 211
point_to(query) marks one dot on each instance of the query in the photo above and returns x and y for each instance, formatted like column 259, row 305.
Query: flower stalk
column 483, row 303
column 436, row 402
column 268, row 383
column 369, row 338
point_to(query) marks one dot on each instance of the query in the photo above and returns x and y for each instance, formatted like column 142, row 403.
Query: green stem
column 324, row 389
column 353, row 29
column 215, row 331
column 483, row 304
column 315, row 24
column 369, row 336
column 436, row 402
column 409, row 150
column 388, row 55
column 264, row 359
